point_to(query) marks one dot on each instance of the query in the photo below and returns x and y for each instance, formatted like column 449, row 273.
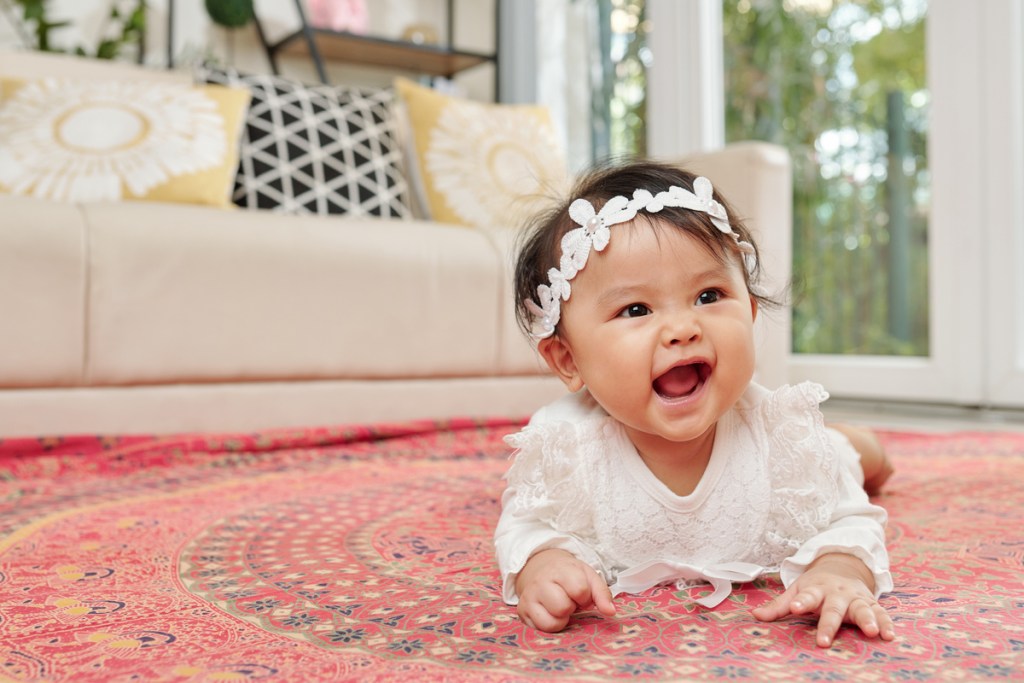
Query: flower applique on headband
column 594, row 233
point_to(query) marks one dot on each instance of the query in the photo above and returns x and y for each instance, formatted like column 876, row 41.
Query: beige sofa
column 152, row 317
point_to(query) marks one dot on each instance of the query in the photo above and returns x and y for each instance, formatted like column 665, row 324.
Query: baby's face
column 660, row 331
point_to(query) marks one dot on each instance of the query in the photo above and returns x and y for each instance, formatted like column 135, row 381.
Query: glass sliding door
column 841, row 85
column 902, row 116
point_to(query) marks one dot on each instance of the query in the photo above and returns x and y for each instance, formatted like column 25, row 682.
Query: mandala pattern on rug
column 366, row 555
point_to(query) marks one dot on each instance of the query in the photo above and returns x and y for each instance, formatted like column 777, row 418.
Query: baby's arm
column 838, row 587
column 547, row 575
column 553, row 585
column 840, row 572
column 549, row 572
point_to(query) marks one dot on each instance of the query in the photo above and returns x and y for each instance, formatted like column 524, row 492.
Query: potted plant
column 230, row 13
column 126, row 26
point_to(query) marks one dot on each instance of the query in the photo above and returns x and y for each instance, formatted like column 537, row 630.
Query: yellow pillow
column 481, row 164
column 87, row 141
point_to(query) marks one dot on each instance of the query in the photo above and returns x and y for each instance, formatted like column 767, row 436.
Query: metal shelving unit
column 324, row 44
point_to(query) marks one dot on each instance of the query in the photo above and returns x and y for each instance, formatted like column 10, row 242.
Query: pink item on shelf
column 339, row 15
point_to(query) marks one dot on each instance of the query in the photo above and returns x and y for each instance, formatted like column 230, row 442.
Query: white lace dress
column 780, row 489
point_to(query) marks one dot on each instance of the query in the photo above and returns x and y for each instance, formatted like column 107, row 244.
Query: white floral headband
column 594, row 232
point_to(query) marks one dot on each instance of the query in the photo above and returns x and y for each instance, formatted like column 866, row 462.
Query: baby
column 666, row 463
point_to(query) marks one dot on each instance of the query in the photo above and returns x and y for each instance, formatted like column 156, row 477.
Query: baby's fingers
column 776, row 609
column 867, row 615
column 586, row 587
column 871, row 618
column 833, row 613
column 602, row 595
column 792, row 601
column 548, row 609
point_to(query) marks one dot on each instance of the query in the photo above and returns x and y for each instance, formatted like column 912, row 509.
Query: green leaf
column 34, row 12
column 108, row 49
column 138, row 19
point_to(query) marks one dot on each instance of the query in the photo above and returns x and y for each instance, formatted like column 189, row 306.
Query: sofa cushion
column 317, row 149
column 479, row 164
column 42, row 291
column 191, row 294
column 82, row 140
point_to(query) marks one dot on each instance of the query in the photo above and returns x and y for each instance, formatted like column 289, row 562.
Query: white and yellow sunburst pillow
column 87, row 141
column 480, row 164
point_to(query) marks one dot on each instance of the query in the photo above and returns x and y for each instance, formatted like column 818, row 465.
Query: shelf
column 322, row 45
column 430, row 60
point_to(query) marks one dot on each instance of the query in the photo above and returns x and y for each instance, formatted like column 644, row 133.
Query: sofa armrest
column 757, row 179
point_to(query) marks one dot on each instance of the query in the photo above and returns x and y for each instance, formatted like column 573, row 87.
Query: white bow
column 656, row 572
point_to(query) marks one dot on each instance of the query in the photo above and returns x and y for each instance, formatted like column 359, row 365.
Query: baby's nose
column 682, row 328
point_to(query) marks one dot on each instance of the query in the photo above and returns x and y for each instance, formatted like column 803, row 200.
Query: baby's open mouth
column 682, row 380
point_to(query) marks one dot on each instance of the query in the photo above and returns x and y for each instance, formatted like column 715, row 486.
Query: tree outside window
column 841, row 85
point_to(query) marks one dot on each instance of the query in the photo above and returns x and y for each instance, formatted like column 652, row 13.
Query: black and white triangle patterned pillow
column 317, row 149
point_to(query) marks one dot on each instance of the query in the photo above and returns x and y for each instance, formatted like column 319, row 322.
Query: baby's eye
column 708, row 296
column 634, row 311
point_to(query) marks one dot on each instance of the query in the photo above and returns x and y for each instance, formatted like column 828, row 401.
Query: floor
column 931, row 418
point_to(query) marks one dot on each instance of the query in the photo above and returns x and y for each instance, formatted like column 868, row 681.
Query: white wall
column 195, row 37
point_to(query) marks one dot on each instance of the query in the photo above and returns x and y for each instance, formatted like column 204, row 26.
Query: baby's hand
column 838, row 587
column 553, row 585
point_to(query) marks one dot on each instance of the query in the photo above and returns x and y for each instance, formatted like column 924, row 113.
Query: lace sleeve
column 549, row 473
column 803, row 476
column 856, row 527
column 817, row 506
column 547, row 502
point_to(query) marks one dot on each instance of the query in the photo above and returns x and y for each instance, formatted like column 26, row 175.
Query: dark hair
column 540, row 245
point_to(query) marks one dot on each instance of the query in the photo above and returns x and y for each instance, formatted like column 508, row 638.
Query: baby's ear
column 558, row 355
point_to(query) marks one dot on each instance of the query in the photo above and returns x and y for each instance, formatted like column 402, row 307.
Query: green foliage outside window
column 631, row 57
column 619, row 102
column 841, row 85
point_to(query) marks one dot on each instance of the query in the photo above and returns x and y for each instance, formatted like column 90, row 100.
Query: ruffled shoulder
column 802, row 467
column 553, row 468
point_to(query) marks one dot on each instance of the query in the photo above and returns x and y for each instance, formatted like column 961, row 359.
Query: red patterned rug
column 365, row 554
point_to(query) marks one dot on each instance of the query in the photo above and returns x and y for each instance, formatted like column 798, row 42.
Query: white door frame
column 685, row 82
column 1003, row 142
